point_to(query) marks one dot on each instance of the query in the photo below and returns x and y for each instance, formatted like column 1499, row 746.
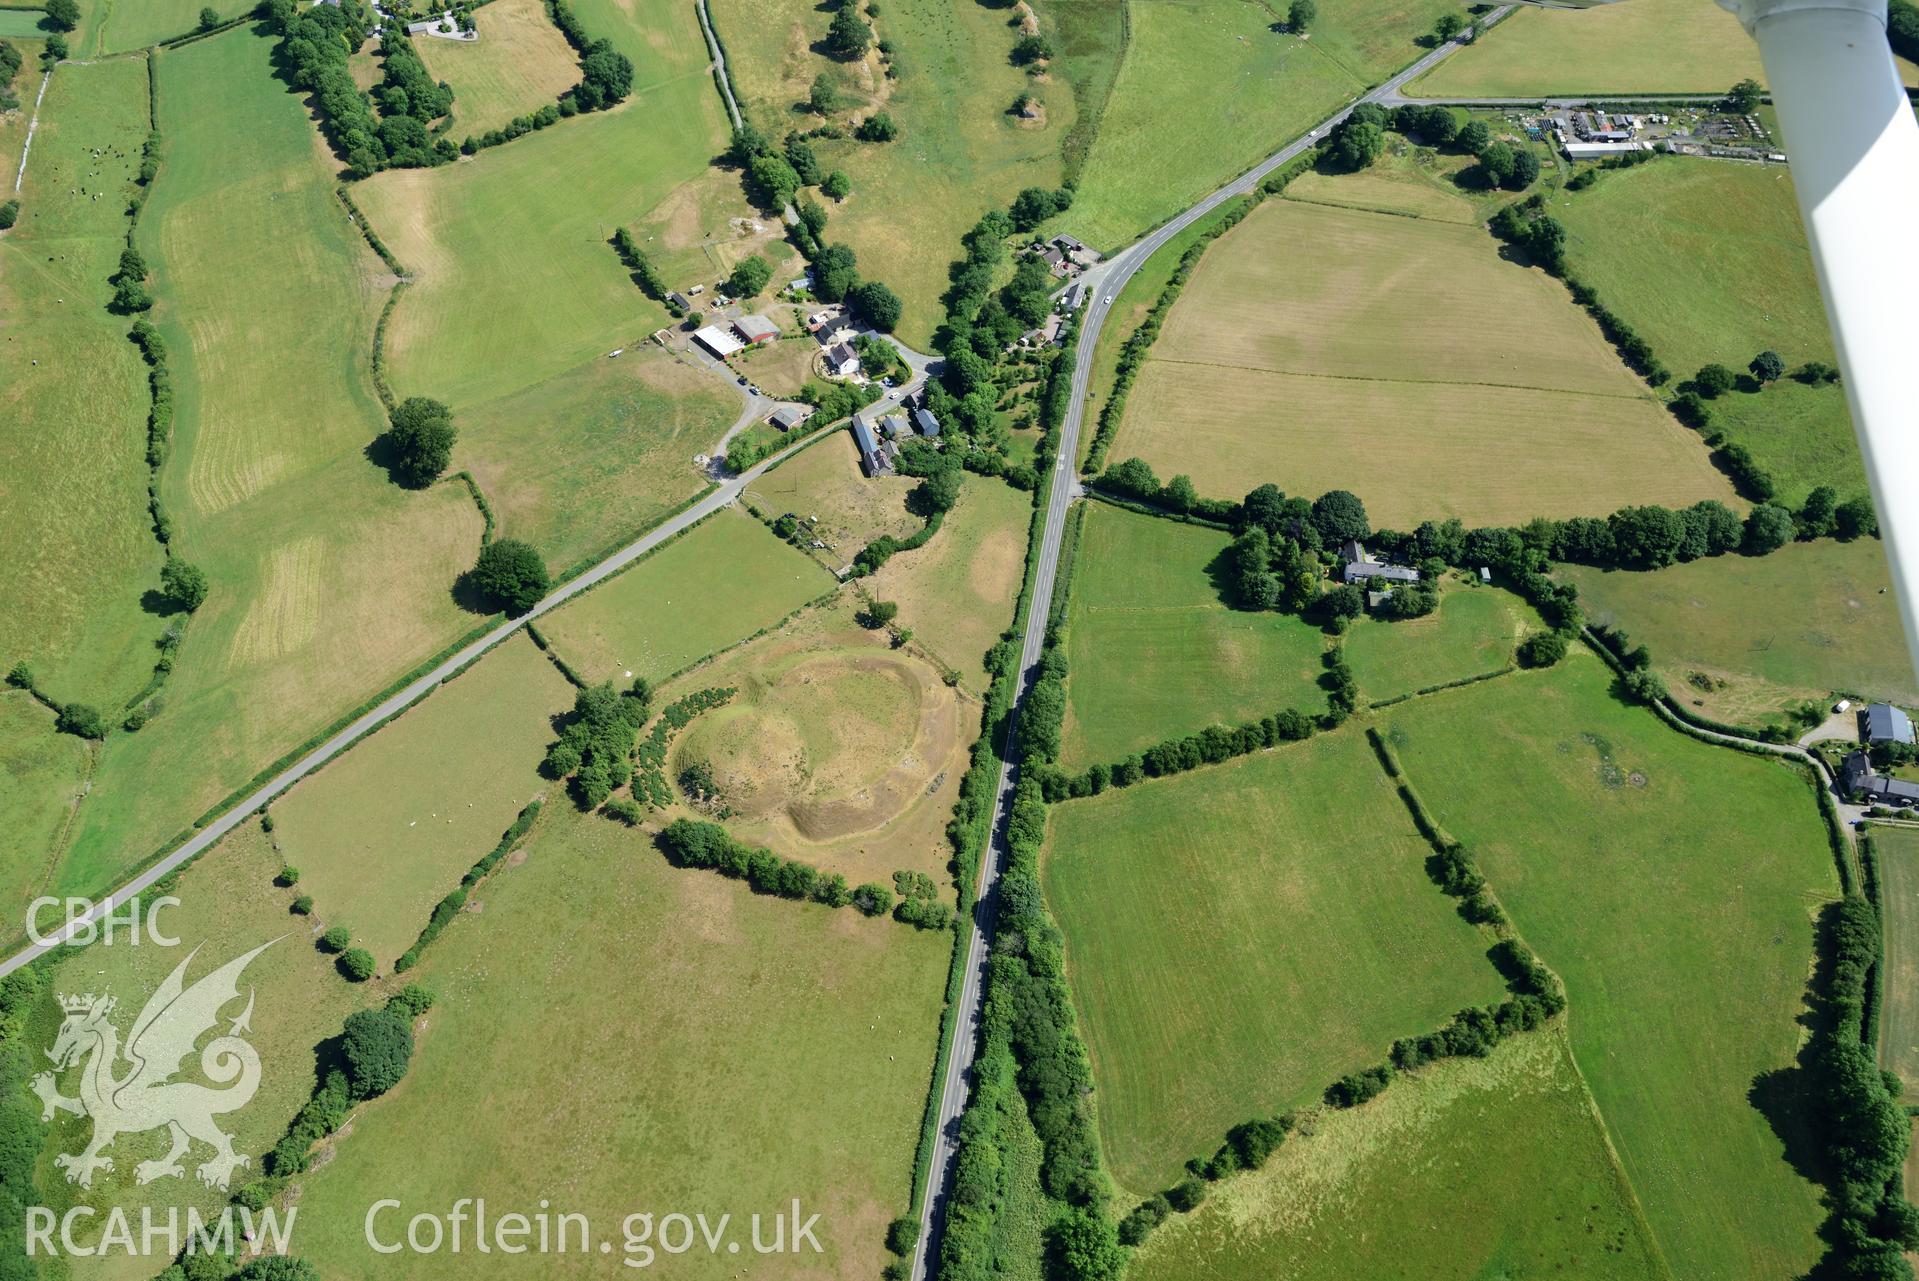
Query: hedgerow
column 449, row 907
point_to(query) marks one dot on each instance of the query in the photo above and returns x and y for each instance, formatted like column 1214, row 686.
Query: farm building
column 787, row 417
column 720, row 342
column 876, row 456
column 680, row 300
column 755, row 330
column 842, row 361
column 928, row 425
column 1596, row 150
column 1856, row 779
column 1887, row 724
column 1360, row 567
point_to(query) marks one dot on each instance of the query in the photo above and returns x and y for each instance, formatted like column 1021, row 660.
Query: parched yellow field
column 520, row 63
column 384, row 832
column 824, row 481
column 837, row 749
column 1324, row 348
column 327, row 582
column 593, row 455
column 1648, row 46
column 956, row 593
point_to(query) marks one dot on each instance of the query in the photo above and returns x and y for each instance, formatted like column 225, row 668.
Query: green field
column 520, row 63
column 135, row 24
column 1768, row 631
column 1240, row 937
column 41, row 775
column 712, row 588
column 228, row 906
column 327, row 581
column 1407, row 358
column 1898, row 851
column 1414, row 181
column 1707, row 260
column 593, row 455
column 1242, row 91
column 1152, row 651
column 1649, row 46
column 957, row 592
column 1473, row 631
column 21, row 24
column 514, row 280
column 384, row 832
column 1672, row 886
column 73, row 398
column 622, row 1036
column 961, row 150
column 1475, row 1169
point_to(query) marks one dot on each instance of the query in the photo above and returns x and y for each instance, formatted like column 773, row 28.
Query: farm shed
column 756, row 329
column 719, row 341
column 1887, row 724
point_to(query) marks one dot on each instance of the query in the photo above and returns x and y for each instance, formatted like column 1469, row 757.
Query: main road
column 1105, row 280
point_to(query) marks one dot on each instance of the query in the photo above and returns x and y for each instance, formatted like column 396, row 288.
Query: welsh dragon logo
column 130, row 1089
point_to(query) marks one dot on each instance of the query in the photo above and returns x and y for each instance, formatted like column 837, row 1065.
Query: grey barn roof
column 1887, row 724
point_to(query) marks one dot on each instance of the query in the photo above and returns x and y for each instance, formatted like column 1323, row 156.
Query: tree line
column 449, row 907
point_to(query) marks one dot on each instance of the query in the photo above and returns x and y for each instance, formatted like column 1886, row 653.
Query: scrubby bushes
column 649, row 774
column 645, row 274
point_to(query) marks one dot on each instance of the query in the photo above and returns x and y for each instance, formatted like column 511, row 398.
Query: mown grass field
column 723, row 1053
column 1474, row 1168
column 838, row 749
column 1401, row 359
column 1707, row 260
column 1473, row 631
column 383, row 833
column 961, row 150
column 1152, row 651
column 1239, row 937
column 1650, row 46
column 41, row 775
column 957, row 592
column 73, row 396
column 726, row 579
column 1768, row 631
column 119, row 25
column 1672, row 885
column 327, row 581
column 514, row 279
column 1898, row 852
column 595, row 454
column 520, row 63
column 21, row 24
column 228, row 906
